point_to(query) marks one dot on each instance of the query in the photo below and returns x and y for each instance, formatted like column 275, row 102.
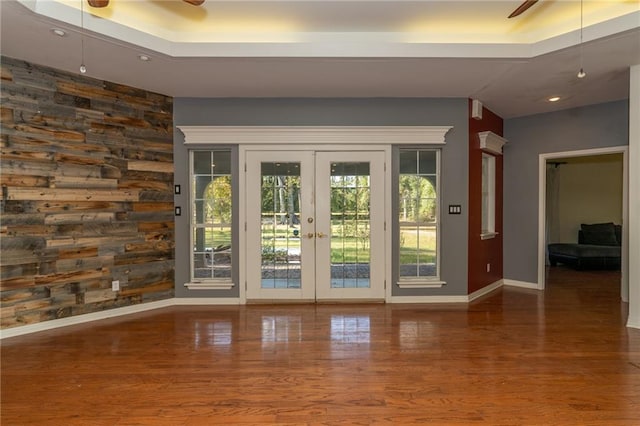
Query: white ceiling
column 303, row 48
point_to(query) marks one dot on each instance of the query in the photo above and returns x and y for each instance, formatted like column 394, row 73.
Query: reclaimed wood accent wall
column 87, row 194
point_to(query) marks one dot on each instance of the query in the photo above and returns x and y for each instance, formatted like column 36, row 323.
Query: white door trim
column 243, row 205
column 542, row 206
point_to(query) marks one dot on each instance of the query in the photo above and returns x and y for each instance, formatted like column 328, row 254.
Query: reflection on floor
column 515, row 356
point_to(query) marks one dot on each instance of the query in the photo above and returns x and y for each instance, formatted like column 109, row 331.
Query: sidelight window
column 211, row 215
column 418, row 216
column 488, row 196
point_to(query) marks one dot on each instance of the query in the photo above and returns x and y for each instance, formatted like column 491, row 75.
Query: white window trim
column 211, row 284
column 420, row 282
column 433, row 282
column 204, row 284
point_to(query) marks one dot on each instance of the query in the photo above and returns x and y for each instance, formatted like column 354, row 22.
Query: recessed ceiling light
column 144, row 58
column 58, row 32
column 554, row 99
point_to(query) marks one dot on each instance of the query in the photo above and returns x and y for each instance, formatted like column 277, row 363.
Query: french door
column 315, row 225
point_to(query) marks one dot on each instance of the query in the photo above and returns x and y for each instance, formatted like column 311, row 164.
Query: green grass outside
column 343, row 250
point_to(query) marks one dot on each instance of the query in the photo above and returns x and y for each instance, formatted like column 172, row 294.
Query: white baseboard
column 485, row 290
column 429, row 299
column 180, row 301
column 80, row 319
column 633, row 322
column 520, row 284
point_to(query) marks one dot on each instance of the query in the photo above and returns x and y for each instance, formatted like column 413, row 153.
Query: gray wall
column 340, row 112
column 595, row 126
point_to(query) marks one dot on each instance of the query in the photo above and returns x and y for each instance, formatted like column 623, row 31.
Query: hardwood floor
column 515, row 357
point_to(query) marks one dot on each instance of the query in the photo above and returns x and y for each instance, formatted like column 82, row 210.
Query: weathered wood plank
column 22, row 243
column 137, row 257
column 159, row 196
column 69, row 265
column 154, row 288
column 103, row 242
column 52, row 133
column 79, row 217
column 78, row 253
column 152, row 207
column 148, row 176
column 5, row 72
column 19, row 270
column 40, row 168
column 68, row 277
column 99, row 296
column 145, row 155
column 21, row 142
column 54, row 207
column 30, row 231
column 145, row 184
column 150, row 166
column 145, row 216
column 18, row 283
column 7, row 312
column 88, row 158
column 21, row 295
column 82, row 102
column 24, row 180
column 159, row 227
column 32, row 305
column 10, row 219
column 6, row 115
column 83, row 182
column 152, row 245
column 22, row 155
column 57, row 194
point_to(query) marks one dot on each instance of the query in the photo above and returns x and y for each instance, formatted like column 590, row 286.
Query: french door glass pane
column 350, row 225
column 280, row 225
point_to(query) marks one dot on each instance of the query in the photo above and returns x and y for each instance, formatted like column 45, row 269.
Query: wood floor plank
column 514, row 357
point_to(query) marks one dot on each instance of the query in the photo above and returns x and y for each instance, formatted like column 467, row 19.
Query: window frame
column 214, row 283
column 434, row 281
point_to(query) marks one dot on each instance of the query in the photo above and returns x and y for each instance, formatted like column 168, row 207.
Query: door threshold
column 279, row 301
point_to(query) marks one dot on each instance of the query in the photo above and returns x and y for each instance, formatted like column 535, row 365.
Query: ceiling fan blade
column 522, row 8
column 98, row 3
column 194, row 2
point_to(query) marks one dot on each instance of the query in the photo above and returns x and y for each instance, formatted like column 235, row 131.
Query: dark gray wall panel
column 595, row 126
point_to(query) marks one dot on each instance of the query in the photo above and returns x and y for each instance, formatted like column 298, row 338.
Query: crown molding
column 266, row 135
column 491, row 142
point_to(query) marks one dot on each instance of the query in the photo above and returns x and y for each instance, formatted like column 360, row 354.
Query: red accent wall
column 483, row 252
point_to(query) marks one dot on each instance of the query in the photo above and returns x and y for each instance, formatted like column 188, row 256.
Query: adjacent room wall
column 590, row 191
column 341, row 112
column 87, row 180
column 595, row 126
column 488, row 251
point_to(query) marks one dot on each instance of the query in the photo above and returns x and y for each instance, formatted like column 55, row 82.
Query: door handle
column 321, row 235
column 310, row 235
